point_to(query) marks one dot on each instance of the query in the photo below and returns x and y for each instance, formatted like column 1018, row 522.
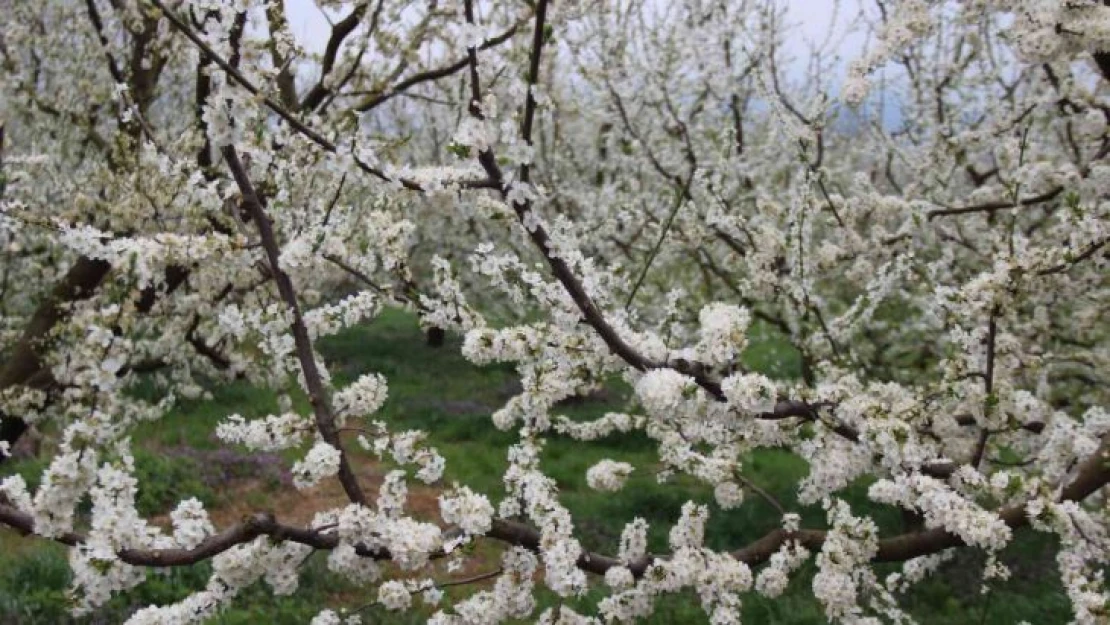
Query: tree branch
column 377, row 100
column 317, row 393
column 339, row 32
column 1092, row 474
column 988, row 388
column 990, row 207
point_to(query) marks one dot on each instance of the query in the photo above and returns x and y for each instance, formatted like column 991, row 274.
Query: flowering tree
column 626, row 187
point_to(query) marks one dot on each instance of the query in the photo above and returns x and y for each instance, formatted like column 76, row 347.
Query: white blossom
column 471, row 511
column 322, row 461
column 608, row 475
column 394, row 595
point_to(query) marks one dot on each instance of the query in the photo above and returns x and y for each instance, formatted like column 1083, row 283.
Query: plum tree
column 585, row 190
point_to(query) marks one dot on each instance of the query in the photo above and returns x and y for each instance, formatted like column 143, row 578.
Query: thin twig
column 768, row 497
column 680, row 200
column 471, row 580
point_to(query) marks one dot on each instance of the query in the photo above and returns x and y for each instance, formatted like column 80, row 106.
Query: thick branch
column 339, row 33
column 1092, row 474
column 259, row 524
column 25, row 366
column 988, row 389
column 26, row 359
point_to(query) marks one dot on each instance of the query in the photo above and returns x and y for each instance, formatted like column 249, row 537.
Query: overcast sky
column 812, row 16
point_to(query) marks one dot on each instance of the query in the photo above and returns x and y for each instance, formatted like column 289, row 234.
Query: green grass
column 33, row 592
column 438, row 391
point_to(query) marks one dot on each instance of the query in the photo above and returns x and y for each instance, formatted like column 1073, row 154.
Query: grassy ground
column 437, row 391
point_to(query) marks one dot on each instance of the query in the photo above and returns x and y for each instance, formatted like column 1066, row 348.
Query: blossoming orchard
column 593, row 192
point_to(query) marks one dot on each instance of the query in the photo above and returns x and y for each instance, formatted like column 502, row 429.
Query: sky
column 811, row 21
column 813, row 18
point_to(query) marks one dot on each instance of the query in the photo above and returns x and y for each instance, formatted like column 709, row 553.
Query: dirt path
column 298, row 507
